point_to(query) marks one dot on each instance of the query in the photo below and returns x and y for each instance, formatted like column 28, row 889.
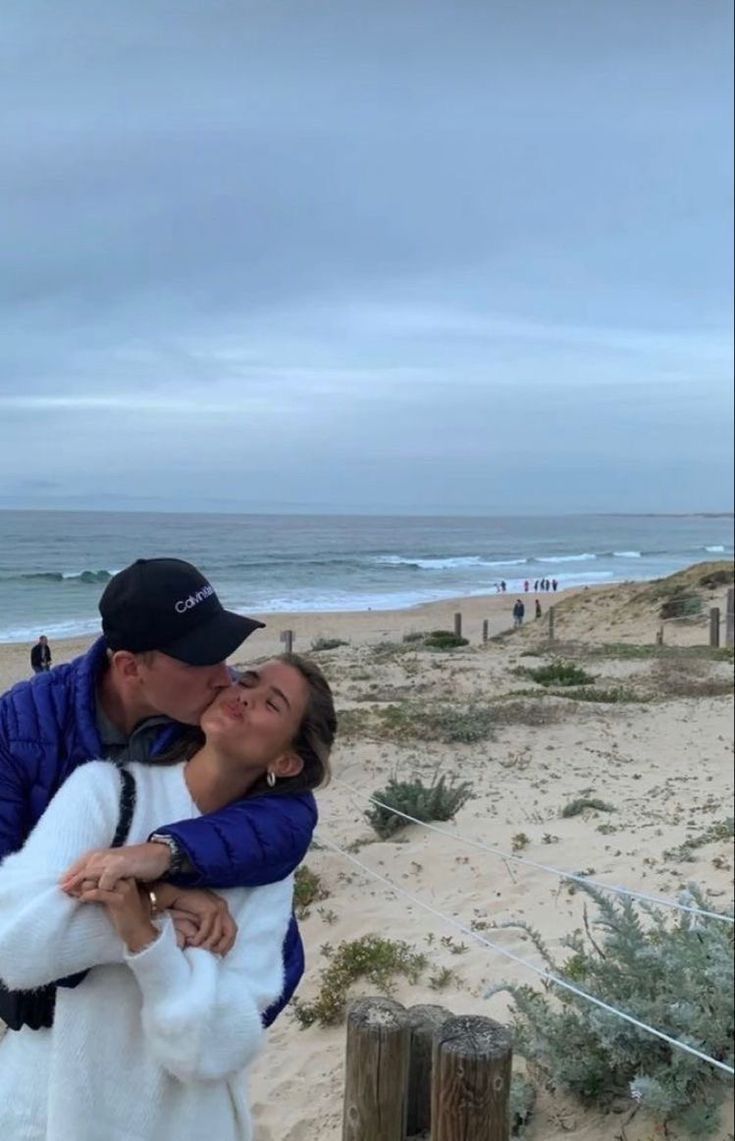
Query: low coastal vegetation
column 557, row 673
column 578, row 806
column 308, row 890
column 372, row 960
column 676, row 975
column 440, row 800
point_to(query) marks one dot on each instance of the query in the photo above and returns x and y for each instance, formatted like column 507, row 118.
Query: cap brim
column 213, row 641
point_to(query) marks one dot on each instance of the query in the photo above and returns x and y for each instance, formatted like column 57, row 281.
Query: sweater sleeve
column 45, row 934
column 202, row 1013
column 253, row 842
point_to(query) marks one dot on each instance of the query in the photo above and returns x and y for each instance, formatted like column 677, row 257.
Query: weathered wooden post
column 714, row 626
column 458, row 625
column 660, row 635
column 471, row 1081
column 730, row 619
column 423, row 1022
column 287, row 639
column 485, row 630
column 551, row 623
column 376, row 1071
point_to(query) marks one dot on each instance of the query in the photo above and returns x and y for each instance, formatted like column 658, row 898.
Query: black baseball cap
column 168, row 605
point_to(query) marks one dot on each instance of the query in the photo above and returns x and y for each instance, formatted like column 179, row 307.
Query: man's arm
column 13, row 801
column 254, row 842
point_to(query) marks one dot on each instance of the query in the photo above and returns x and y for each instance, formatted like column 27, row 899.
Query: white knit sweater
column 150, row 1047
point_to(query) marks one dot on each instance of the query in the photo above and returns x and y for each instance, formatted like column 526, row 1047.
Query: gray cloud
column 366, row 255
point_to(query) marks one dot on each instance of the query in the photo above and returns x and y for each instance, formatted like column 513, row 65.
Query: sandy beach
column 663, row 764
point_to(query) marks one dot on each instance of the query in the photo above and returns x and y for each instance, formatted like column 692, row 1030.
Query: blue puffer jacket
column 48, row 728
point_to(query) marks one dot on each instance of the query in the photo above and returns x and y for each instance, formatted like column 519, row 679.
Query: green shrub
column 675, row 975
column 450, row 724
column 682, row 604
column 413, row 636
column 715, row 578
column 576, row 807
column 440, row 800
column 561, row 673
column 320, row 644
column 307, row 890
column 371, row 958
column 444, row 640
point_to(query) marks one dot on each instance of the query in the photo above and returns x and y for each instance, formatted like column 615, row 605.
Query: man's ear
column 125, row 664
column 287, row 765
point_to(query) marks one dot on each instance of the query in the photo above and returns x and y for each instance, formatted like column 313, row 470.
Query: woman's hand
column 129, row 910
column 145, row 862
column 215, row 929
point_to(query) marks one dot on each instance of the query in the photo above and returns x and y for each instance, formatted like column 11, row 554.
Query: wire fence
column 547, row 975
column 587, row 881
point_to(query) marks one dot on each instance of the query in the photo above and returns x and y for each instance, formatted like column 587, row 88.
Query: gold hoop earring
column 271, row 779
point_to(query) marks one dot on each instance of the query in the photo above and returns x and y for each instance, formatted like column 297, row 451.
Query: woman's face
column 255, row 720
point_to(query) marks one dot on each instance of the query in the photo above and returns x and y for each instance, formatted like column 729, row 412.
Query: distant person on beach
column 519, row 612
column 157, row 667
column 526, row 586
column 503, row 586
column 538, row 609
column 156, row 1043
column 535, row 585
column 41, row 656
column 554, row 584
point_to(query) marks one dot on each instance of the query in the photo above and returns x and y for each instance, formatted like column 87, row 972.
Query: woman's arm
column 202, row 1014
column 44, row 934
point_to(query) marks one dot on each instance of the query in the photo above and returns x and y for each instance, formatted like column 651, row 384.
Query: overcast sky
column 463, row 256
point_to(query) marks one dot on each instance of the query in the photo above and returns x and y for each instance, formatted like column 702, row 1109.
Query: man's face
column 177, row 690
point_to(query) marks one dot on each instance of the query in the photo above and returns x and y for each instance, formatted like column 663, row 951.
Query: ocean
column 54, row 565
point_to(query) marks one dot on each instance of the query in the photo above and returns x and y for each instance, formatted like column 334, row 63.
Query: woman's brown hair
column 312, row 742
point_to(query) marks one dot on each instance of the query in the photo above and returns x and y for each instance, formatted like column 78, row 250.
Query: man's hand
column 214, row 928
column 144, row 862
column 129, row 911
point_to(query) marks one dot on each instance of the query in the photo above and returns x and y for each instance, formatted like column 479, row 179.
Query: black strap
column 128, row 796
column 35, row 1009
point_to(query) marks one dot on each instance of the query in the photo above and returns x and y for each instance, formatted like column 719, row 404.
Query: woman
column 154, row 1043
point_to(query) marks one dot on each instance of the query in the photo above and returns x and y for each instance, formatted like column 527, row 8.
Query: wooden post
column 423, row 1022
column 458, row 625
column 485, row 630
column 376, row 1072
column 471, row 1088
column 660, row 635
column 714, row 626
column 287, row 639
column 551, row 623
column 730, row 619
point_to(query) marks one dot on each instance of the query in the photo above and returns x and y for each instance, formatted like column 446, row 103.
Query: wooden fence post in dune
column 423, row 1022
column 660, row 635
column 551, row 623
column 458, row 625
column 376, row 1071
column 485, row 630
column 471, row 1081
column 714, row 626
column 730, row 619
column 287, row 639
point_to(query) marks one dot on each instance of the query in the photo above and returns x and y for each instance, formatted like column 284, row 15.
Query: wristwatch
column 177, row 856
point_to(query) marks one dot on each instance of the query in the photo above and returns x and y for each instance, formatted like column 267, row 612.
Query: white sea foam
column 627, row 554
column 715, row 550
column 457, row 562
column 566, row 558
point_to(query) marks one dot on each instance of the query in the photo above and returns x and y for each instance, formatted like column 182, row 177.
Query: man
column 41, row 656
column 158, row 665
column 519, row 611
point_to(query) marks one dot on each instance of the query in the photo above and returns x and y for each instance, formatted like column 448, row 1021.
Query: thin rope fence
column 458, row 838
column 544, row 973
